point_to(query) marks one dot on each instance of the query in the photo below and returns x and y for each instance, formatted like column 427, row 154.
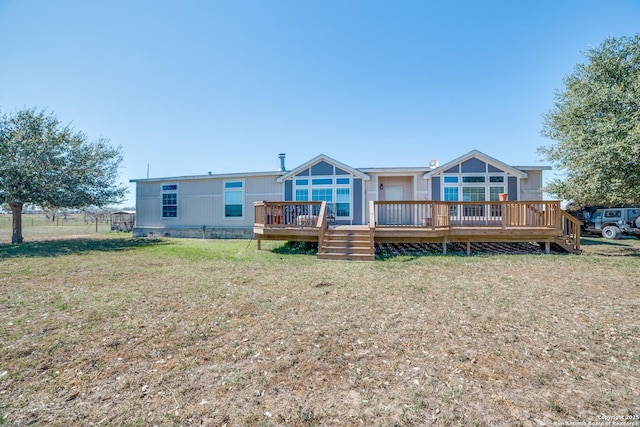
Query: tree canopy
column 48, row 164
column 596, row 126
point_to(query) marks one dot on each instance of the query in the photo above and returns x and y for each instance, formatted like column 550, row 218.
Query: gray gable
column 322, row 168
column 455, row 169
column 473, row 165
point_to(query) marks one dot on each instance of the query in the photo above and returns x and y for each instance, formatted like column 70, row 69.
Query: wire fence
column 42, row 226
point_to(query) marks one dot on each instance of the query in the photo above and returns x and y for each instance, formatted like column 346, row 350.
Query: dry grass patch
column 189, row 332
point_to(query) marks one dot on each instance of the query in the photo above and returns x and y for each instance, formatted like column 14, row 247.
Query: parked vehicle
column 613, row 222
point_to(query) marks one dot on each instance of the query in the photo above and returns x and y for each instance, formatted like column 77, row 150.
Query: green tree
column 596, row 126
column 45, row 163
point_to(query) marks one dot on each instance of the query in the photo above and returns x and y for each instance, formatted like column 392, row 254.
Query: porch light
column 382, row 186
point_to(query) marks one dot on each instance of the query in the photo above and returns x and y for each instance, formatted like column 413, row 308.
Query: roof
column 319, row 159
column 478, row 155
column 360, row 172
column 211, row 176
column 533, row 168
column 398, row 170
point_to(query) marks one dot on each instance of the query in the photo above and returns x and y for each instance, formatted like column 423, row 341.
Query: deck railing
column 288, row 214
column 571, row 229
column 438, row 214
column 295, row 219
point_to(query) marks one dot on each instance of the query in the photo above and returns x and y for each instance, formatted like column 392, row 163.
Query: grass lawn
column 102, row 329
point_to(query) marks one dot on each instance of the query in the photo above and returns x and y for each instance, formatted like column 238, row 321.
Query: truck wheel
column 637, row 222
column 611, row 232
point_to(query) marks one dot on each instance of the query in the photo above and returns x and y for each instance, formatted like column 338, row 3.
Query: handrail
column 259, row 209
column 322, row 224
column 287, row 214
column 437, row 214
column 571, row 229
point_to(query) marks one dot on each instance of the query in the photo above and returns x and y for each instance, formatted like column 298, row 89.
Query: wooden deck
column 543, row 222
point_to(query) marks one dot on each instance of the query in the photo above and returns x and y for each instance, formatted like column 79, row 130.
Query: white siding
column 201, row 201
column 530, row 187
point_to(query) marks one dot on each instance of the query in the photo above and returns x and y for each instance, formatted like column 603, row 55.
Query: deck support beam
column 547, row 248
column 468, row 248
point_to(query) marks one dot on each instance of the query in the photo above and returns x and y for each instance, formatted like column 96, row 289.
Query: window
column 473, row 194
column 494, row 193
column 473, row 188
column 451, row 194
column 335, row 190
column 169, row 200
column 322, row 195
column 343, row 201
column 474, row 179
column 322, row 181
column 612, row 214
column 233, row 199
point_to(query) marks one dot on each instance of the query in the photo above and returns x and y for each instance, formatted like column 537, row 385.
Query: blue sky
column 189, row 87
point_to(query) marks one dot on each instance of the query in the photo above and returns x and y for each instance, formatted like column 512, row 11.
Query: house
column 222, row 205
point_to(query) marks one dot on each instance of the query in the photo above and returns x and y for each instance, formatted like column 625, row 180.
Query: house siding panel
column 473, row 165
column 530, row 188
column 435, row 188
column 358, row 197
column 201, row 203
column 288, row 190
column 322, row 168
column 513, row 188
column 455, row 169
column 422, row 188
column 492, row 169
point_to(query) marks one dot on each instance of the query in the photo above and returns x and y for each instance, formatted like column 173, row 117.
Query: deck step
column 563, row 243
column 353, row 244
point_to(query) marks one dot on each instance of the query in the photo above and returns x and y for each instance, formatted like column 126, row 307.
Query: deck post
column 504, row 215
column 444, row 246
column 259, row 246
column 547, row 248
column 468, row 248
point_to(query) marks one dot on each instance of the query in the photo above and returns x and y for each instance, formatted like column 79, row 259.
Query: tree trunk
column 16, row 210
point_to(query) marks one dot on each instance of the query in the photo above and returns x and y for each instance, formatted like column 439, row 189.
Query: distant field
column 37, row 226
column 103, row 329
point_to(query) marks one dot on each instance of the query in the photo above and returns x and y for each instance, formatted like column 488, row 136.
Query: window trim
column 162, row 205
column 224, row 199
column 460, row 178
column 322, row 182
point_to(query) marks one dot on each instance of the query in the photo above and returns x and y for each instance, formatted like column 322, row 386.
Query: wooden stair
column 347, row 243
column 565, row 244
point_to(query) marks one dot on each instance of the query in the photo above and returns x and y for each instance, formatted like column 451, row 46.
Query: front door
column 394, row 211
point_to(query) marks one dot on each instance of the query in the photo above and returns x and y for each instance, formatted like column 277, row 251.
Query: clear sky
column 187, row 87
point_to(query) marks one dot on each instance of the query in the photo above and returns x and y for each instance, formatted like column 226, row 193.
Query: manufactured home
column 221, row 206
column 286, row 204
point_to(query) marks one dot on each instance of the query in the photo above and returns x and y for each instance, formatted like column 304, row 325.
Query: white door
column 394, row 212
column 393, row 192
